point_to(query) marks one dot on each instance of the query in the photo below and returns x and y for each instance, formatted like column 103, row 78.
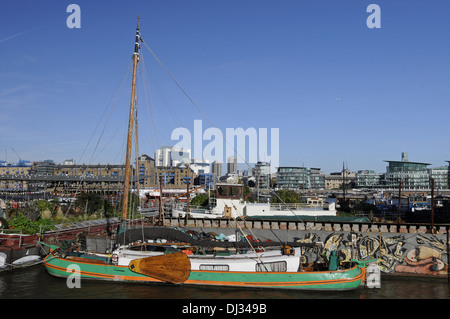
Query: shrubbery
column 24, row 224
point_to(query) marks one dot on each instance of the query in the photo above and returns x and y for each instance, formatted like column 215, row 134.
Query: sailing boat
column 180, row 260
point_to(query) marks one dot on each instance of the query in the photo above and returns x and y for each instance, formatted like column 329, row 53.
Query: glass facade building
column 316, row 179
column 412, row 175
column 262, row 174
column 440, row 176
column 300, row 178
column 368, row 179
column 292, row 178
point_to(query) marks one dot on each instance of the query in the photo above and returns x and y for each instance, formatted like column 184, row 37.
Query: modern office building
column 412, row 175
column 46, row 167
column 162, row 156
column 200, row 166
column 316, row 178
column 368, row 179
column 232, row 165
column 293, row 178
column 167, row 156
column 440, row 176
column 216, row 169
column 262, row 174
column 448, row 175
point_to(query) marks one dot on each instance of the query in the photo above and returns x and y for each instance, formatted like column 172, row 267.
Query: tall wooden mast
column 130, row 127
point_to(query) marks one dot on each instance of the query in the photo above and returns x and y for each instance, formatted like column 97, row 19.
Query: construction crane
column 21, row 161
column 20, row 158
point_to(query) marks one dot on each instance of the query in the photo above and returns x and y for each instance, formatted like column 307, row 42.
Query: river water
column 35, row 283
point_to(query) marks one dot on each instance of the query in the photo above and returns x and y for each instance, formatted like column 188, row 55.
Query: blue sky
column 337, row 90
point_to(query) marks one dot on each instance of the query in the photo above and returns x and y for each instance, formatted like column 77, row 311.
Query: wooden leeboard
column 174, row 268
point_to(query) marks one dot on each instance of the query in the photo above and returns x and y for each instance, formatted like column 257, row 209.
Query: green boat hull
column 347, row 279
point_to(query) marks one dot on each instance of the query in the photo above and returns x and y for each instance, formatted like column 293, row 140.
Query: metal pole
column 448, row 257
column 187, row 200
column 432, row 205
column 399, row 201
column 160, row 198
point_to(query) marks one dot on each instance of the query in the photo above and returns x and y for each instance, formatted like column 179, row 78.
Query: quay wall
column 401, row 250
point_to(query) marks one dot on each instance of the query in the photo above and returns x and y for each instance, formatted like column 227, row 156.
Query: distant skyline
column 337, row 90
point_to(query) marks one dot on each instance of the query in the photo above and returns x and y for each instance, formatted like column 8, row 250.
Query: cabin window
column 215, row 267
column 279, row 266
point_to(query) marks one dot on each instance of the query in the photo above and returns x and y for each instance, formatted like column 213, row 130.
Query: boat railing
column 16, row 237
column 296, row 206
column 11, row 231
column 84, row 224
column 191, row 207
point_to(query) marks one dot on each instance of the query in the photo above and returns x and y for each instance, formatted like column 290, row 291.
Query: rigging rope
column 206, row 117
column 120, row 85
column 114, row 100
column 163, row 97
column 191, row 100
column 147, row 94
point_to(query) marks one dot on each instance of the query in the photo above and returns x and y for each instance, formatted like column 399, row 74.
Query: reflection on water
column 35, row 282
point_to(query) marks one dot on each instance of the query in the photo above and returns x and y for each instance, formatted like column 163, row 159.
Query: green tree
column 32, row 210
column 248, row 195
column 89, row 203
column 200, row 200
column 133, row 204
column 108, row 209
column 286, row 196
column 363, row 207
column 42, row 204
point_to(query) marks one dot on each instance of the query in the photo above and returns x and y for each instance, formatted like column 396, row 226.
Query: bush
column 88, row 202
column 286, row 196
column 24, row 224
column 200, row 200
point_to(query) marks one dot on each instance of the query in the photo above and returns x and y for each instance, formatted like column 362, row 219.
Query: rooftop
column 407, row 162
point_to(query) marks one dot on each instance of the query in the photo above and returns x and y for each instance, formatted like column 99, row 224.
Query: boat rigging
column 279, row 267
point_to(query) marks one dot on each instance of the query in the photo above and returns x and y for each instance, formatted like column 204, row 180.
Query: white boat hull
column 254, row 210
